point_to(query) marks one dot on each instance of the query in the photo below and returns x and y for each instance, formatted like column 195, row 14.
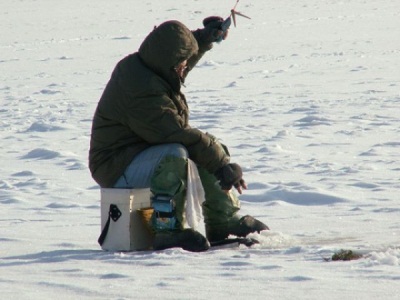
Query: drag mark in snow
column 41, row 153
column 312, row 121
column 113, row 276
column 48, row 92
column 23, row 174
column 365, row 185
column 41, row 126
column 299, row 278
column 294, row 197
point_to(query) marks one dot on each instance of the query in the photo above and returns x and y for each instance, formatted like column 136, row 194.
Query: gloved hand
column 231, row 175
column 211, row 32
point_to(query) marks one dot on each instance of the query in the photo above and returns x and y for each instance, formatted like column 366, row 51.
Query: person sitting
column 141, row 138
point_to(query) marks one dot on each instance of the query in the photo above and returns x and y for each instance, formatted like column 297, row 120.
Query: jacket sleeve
column 193, row 60
column 157, row 120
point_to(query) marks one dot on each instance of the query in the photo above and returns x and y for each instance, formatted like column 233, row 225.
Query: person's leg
column 220, row 212
column 169, row 186
column 163, row 169
column 140, row 171
column 219, row 206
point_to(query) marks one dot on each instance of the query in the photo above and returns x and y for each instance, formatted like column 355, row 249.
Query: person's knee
column 177, row 150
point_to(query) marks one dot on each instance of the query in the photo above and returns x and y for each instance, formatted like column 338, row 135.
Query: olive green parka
column 142, row 105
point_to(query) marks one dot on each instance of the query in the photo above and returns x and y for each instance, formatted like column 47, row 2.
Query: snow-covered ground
column 306, row 95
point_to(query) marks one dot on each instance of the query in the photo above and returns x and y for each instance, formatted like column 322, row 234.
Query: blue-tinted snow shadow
column 305, row 198
column 56, row 256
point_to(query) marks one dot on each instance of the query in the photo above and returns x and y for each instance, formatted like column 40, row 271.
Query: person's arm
column 157, row 121
column 205, row 38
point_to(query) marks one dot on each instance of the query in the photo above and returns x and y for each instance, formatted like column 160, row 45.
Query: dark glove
column 230, row 175
column 211, row 32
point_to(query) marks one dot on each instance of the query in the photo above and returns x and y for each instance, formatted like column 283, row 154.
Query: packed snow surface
column 306, row 95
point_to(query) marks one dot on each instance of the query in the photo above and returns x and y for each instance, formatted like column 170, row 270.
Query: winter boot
column 187, row 239
column 239, row 227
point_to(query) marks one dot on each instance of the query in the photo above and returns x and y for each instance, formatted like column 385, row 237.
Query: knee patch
column 170, row 176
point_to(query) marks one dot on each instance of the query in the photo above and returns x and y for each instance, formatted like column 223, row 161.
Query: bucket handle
column 113, row 213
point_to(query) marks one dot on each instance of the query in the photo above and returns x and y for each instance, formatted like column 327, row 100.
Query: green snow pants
column 170, row 178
